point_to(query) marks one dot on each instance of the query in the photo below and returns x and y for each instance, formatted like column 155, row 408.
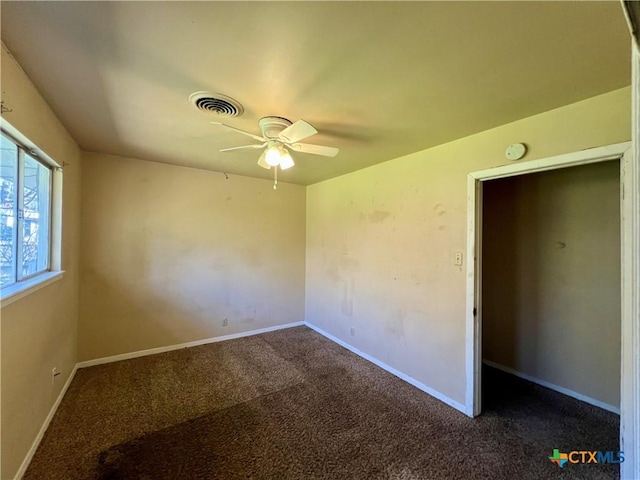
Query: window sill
column 22, row 289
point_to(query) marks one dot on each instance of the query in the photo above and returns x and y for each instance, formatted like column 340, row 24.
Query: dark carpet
column 293, row 405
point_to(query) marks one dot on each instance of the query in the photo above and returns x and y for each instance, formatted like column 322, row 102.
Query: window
column 25, row 214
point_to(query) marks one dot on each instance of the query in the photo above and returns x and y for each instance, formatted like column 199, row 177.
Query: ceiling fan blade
column 315, row 149
column 243, row 147
column 262, row 161
column 296, row 132
column 255, row 137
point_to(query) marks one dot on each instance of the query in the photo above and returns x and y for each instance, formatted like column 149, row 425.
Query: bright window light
column 25, row 214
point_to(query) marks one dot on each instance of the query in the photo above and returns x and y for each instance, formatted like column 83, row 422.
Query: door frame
column 629, row 239
column 630, row 375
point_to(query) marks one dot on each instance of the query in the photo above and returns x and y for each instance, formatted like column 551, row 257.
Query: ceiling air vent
column 216, row 103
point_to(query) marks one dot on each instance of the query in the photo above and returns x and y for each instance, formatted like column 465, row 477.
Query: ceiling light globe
column 286, row 161
column 273, row 156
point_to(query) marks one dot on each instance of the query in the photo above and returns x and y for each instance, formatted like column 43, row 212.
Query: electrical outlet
column 225, row 321
column 457, row 259
column 353, row 331
column 54, row 374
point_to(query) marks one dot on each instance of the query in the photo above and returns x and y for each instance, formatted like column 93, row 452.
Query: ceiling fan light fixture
column 286, row 161
column 263, row 162
column 279, row 135
column 272, row 156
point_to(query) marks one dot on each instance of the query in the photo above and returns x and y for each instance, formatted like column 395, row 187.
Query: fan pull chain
column 275, row 179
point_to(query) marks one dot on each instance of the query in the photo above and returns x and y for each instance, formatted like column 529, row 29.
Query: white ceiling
column 377, row 79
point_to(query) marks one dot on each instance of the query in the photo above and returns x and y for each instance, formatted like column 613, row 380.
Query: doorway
column 621, row 152
column 551, row 280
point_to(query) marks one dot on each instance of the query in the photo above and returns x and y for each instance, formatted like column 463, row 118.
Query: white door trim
column 630, row 223
column 630, row 379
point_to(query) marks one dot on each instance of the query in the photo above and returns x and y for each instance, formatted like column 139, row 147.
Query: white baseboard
column 397, row 373
column 45, row 425
column 551, row 386
column 153, row 351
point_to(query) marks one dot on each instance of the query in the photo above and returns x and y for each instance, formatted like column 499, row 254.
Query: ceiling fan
column 279, row 136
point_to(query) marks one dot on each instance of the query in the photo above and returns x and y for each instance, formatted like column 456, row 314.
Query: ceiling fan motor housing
column 272, row 126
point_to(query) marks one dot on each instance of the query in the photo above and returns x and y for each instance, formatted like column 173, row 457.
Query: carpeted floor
column 293, row 405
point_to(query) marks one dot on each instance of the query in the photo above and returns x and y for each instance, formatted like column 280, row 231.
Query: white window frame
column 24, row 286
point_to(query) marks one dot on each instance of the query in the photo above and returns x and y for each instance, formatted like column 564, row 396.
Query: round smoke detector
column 217, row 103
column 515, row 151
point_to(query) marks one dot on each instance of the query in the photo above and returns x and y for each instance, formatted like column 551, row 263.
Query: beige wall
column 39, row 331
column 168, row 252
column 551, row 277
column 380, row 241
